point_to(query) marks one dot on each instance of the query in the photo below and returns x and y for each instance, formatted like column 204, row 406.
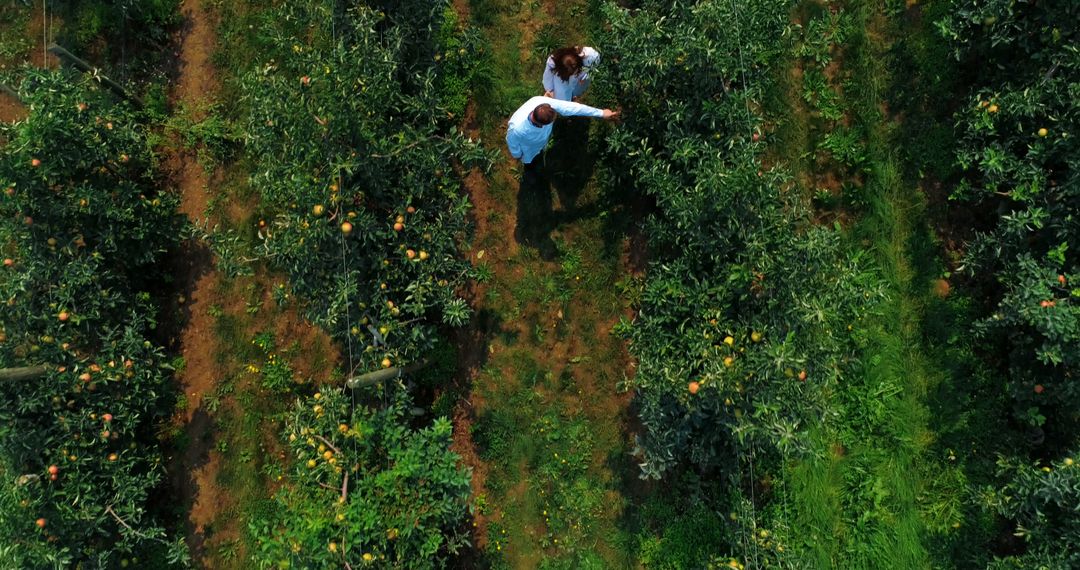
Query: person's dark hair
column 544, row 114
column 567, row 62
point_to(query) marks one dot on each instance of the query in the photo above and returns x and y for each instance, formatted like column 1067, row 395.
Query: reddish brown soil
column 39, row 29
column 472, row 343
column 11, row 110
column 194, row 473
column 484, row 206
column 312, row 353
column 195, row 85
column 464, row 446
column 463, row 10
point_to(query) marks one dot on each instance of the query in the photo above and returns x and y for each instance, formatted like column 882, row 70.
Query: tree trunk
column 74, row 61
column 372, row 378
column 25, row 373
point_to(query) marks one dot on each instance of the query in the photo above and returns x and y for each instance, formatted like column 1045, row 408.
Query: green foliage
column 147, row 19
column 680, row 536
column 365, row 490
column 846, row 147
column 346, row 125
column 1004, row 29
column 83, row 227
column 1042, row 501
column 13, row 43
column 743, row 296
column 207, row 131
column 277, row 374
column 568, row 499
column 1019, row 154
column 828, row 89
column 459, row 59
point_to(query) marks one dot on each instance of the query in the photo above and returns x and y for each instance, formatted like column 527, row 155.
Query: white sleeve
column 589, row 56
column 571, row 109
column 549, row 75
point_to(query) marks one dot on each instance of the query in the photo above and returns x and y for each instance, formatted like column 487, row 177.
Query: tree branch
column 327, row 442
column 109, row 510
column 399, row 150
column 383, row 375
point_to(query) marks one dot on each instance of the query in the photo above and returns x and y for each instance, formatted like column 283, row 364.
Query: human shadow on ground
column 564, row 168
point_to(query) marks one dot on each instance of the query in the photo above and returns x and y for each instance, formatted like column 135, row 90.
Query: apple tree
column 365, row 489
column 356, row 163
column 1020, row 161
column 82, row 227
column 746, row 317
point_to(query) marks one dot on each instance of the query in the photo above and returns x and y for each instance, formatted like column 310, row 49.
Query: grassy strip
column 15, row 39
column 247, row 415
column 877, row 494
column 548, row 417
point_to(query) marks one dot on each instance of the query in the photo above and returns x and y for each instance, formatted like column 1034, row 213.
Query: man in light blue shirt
column 530, row 126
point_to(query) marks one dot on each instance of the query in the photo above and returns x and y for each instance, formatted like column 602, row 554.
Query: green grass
column 558, row 504
column 535, row 406
column 879, row 495
column 15, row 44
column 548, row 415
column 238, row 37
column 245, row 430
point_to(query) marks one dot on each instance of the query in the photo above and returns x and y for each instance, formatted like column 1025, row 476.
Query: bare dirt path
column 195, row 469
column 226, row 418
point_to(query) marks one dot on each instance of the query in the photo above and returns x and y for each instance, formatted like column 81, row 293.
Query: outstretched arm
column 572, row 109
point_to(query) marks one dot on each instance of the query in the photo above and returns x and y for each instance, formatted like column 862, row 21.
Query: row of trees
column 1019, row 157
column 748, row 316
column 748, row 320
column 745, row 320
column 355, row 162
column 351, row 128
column 83, row 228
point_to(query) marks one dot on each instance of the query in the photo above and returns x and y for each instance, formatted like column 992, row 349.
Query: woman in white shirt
column 566, row 74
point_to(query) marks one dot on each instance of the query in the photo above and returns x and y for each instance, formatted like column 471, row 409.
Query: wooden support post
column 372, row 378
column 25, row 373
column 74, row 61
